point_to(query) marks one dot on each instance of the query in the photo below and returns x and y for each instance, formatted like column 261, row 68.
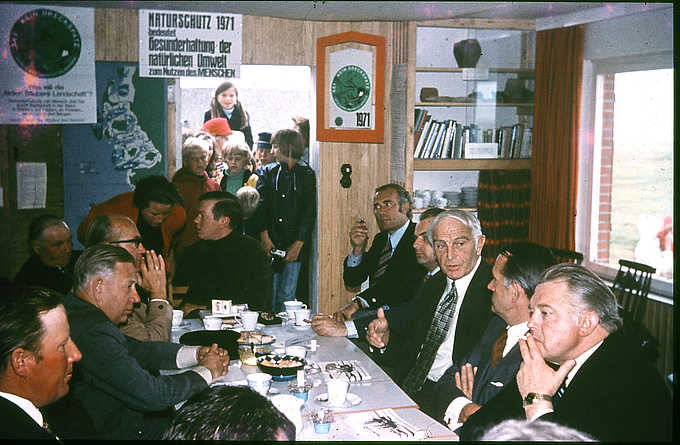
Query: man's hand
column 358, row 237
column 328, row 326
column 293, row 251
column 467, row 411
column 536, row 376
column 465, row 379
column 152, row 270
column 378, row 334
column 345, row 313
column 215, row 359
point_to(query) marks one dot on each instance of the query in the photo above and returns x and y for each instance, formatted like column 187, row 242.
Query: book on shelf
column 439, row 143
column 427, row 150
column 457, row 141
column 420, row 144
column 420, row 115
column 448, row 139
column 527, row 140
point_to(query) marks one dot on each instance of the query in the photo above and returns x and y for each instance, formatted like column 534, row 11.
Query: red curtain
column 504, row 203
column 559, row 68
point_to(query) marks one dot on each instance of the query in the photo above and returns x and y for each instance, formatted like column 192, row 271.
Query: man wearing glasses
column 151, row 319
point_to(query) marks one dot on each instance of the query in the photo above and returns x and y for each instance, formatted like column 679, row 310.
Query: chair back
column 567, row 256
column 631, row 287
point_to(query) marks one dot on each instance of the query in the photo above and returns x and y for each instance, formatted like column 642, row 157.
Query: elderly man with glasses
column 151, row 319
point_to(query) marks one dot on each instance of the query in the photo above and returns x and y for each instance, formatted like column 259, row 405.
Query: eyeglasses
column 136, row 241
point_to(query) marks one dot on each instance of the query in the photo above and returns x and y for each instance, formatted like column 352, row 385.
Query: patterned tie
column 385, row 256
column 498, row 347
column 435, row 336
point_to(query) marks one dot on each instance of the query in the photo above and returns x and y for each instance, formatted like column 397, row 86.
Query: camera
column 278, row 253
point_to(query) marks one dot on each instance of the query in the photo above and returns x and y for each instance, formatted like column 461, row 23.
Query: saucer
column 352, row 400
column 239, row 327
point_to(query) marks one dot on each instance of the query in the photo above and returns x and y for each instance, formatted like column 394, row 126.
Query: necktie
column 498, row 347
column 435, row 336
column 385, row 256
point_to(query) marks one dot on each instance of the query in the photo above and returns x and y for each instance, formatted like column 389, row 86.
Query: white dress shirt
column 444, row 357
column 26, row 405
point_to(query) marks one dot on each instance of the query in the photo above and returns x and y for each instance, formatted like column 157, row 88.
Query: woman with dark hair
column 225, row 104
column 156, row 208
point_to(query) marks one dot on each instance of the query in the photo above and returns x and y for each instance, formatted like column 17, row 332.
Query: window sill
column 660, row 291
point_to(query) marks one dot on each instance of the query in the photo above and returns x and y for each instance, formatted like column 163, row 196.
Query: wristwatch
column 532, row 398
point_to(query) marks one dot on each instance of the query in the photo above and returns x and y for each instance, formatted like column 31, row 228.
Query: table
column 379, row 392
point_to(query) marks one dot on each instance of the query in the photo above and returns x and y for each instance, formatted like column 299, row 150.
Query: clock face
column 351, row 88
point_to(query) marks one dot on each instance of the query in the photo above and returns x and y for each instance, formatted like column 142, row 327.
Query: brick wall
column 607, row 161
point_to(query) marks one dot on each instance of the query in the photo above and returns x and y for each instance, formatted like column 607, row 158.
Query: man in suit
column 52, row 257
column 36, row 361
column 113, row 381
column 152, row 317
column 390, row 265
column 494, row 361
column 453, row 309
column 602, row 386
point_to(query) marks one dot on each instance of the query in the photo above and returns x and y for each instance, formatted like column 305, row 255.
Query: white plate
column 282, row 315
column 352, row 400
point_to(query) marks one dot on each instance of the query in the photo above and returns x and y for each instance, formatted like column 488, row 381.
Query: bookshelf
column 487, row 101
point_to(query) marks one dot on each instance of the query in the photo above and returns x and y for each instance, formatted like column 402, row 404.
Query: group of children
column 270, row 177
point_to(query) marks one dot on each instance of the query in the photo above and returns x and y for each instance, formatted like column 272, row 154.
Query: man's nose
column 134, row 297
column 73, row 352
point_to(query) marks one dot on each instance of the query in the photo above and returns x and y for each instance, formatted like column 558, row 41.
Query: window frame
column 590, row 156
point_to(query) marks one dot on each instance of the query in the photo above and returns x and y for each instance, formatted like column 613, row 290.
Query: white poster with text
column 47, row 65
column 189, row 44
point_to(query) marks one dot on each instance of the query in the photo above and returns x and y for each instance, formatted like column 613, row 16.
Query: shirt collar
column 514, row 334
column 26, row 405
column 395, row 237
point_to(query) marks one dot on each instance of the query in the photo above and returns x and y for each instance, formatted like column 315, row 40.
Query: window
column 631, row 193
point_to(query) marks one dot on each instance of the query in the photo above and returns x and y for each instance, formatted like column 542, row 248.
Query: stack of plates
column 453, row 198
column 469, row 196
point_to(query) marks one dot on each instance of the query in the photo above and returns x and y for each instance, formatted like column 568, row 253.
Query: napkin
column 365, row 424
column 359, row 371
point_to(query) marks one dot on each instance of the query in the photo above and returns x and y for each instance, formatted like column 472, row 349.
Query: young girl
column 237, row 156
column 225, row 104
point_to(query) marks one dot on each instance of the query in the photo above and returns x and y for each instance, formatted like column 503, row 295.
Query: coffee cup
column 248, row 319
column 212, row 323
column 292, row 306
column 337, row 391
column 177, row 318
column 301, row 315
column 260, row 382
column 296, row 351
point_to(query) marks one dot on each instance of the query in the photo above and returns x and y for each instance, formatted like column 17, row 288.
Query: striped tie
column 385, row 256
column 438, row 331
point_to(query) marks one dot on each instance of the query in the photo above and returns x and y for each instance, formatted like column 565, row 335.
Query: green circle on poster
column 351, row 88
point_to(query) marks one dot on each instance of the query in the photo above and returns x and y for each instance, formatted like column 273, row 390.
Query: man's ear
column 19, row 361
column 225, row 222
column 588, row 321
column 97, row 284
column 35, row 245
column 405, row 207
column 481, row 239
column 517, row 292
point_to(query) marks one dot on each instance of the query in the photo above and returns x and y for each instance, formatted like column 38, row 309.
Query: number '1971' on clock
column 363, row 120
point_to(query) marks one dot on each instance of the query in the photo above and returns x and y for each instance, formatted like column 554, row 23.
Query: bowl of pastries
column 280, row 367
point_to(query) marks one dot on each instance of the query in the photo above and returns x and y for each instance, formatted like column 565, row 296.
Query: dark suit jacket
column 474, row 315
column 112, row 380
column 615, row 396
column 16, row 424
column 482, row 391
column 401, row 278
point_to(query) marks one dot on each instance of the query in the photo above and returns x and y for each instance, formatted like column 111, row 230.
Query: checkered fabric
column 435, row 336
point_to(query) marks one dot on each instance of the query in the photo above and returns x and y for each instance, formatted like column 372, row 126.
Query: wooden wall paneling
column 36, row 143
column 410, row 99
column 659, row 321
column 116, row 35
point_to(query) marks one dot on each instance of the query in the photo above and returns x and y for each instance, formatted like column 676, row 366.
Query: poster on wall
column 47, row 65
column 189, row 44
column 128, row 142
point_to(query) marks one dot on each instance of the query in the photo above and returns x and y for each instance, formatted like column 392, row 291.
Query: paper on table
column 365, row 423
column 359, row 371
